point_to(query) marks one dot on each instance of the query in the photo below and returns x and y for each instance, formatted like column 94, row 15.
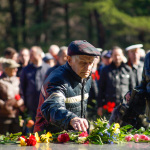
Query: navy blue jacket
column 32, row 78
column 63, row 96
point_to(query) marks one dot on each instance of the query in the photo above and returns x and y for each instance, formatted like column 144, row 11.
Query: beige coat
column 9, row 88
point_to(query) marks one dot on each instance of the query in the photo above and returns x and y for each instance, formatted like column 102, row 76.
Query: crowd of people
column 52, row 89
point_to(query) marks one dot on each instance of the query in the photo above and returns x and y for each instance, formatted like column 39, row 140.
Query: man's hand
column 100, row 111
column 79, row 124
column 127, row 97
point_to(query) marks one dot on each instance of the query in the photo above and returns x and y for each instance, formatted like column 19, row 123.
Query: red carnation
column 17, row 97
column 110, row 109
column 83, row 134
column 87, row 142
column 113, row 104
column 31, row 141
column 22, row 137
column 63, row 138
column 109, row 104
column 105, row 106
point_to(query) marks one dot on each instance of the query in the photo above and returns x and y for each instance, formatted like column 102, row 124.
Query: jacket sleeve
column 23, row 82
column 146, row 70
column 132, row 82
column 101, row 87
column 53, row 109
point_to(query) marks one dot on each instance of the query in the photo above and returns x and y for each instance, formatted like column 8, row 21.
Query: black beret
column 82, row 47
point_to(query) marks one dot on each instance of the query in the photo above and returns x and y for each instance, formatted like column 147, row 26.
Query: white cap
column 134, row 47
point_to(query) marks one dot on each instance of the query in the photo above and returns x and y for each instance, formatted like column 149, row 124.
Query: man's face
column 134, row 55
column 63, row 58
column 24, row 56
column 106, row 61
column 117, row 56
column 34, row 57
column 81, row 65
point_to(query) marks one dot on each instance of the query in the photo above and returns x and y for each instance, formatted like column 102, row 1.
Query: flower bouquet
column 102, row 133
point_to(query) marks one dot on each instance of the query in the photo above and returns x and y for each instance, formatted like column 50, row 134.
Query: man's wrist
column 2, row 103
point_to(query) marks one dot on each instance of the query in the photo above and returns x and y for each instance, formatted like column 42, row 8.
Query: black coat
column 114, row 83
column 63, row 96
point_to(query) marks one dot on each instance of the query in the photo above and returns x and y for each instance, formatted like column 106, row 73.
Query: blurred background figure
column 1, row 68
column 10, row 100
column 115, row 80
column 11, row 53
column 62, row 55
column 105, row 59
column 61, row 59
column 142, row 54
column 32, row 78
column 54, row 50
column 23, row 60
column 134, row 62
column 49, row 59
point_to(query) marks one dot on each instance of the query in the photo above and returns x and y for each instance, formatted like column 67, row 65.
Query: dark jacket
column 63, row 96
column 145, row 83
column 137, row 72
column 114, row 83
column 32, row 78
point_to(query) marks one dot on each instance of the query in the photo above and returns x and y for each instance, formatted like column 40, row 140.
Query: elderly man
column 63, row 98
column 134, row 62
column 54, row 50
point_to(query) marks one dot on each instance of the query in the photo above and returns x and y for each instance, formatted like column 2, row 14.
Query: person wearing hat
column 64, row 94
column 49, row 59
column 134, row 62
column 105, row 59
column 9, row 104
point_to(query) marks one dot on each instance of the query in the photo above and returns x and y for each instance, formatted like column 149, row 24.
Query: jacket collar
column 114, row 66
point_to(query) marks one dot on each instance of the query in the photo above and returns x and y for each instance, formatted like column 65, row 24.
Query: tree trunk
column 67, row 23
column 23, row 19
column 90, row 28
column 141, row 36
column 37, row 20
column 45, row 13
column 14, row 30
column 100, row 30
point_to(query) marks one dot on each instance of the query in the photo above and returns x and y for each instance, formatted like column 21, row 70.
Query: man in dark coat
column 63, row 98
column 115, row 80
column 32, row 78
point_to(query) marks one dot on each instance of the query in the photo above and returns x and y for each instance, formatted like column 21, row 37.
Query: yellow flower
column 22, row 142
column 46, row 138
column 116, row 128
column 37, row 137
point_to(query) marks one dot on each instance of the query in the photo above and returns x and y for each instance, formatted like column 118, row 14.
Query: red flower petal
column 110, row 109
column 17, row 97
column 63, row 138
column 83, row 134
column 113, row 104
column 109, row 104
column 105, row 106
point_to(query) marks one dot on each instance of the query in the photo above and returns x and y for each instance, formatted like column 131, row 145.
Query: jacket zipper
column 82, row 97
